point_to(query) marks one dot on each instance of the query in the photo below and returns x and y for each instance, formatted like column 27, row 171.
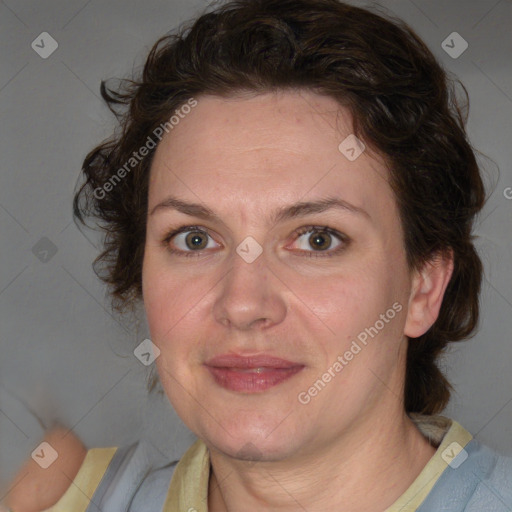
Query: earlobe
column 427, row 291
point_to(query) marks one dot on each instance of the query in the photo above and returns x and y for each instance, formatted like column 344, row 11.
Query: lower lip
column 251, row 382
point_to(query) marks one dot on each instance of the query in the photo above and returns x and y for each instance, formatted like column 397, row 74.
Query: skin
column 35, row 489
column 351, row 447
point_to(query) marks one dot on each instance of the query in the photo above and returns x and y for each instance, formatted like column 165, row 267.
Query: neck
column 356, row 473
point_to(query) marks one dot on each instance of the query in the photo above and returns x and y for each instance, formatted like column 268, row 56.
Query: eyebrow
column 283, row 213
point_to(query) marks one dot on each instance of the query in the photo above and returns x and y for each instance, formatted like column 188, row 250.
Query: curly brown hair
column 404, row 107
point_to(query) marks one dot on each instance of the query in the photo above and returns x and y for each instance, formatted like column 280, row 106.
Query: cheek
column 347, row 301
column 176, row 304
column 169, row 301
column 163, row 298
column 365, row 306
column 168, row 295
column 340, row 304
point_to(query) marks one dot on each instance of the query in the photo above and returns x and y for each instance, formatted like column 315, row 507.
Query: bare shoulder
column 36, row 488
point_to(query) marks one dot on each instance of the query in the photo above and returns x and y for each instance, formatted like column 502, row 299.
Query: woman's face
column 275, row 338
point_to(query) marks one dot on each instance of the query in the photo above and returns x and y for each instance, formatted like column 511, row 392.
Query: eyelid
column 185, row 229
column 344, row 239
column 325, row 229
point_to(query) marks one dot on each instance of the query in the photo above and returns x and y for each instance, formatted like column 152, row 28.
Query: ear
column 427, row 292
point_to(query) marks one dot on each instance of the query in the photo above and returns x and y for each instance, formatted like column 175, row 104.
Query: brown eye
column 189, row 240
column 320, row 240
column 196, row 240
column 312, row 240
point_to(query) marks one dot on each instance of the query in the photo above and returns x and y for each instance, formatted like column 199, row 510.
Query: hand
column 35, row 489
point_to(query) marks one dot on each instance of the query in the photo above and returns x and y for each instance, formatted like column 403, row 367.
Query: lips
column 251, row 374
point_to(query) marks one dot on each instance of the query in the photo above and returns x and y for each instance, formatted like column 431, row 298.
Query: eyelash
column 299, row 232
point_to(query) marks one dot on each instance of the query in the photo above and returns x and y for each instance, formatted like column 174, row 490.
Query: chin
column 252, row 450
column 252, row 440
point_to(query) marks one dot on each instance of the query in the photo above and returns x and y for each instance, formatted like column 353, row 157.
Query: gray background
column 63, row 356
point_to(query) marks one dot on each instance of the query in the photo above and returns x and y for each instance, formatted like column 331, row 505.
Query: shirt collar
column 188, row 490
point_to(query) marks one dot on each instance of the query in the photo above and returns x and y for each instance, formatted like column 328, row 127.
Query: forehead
column 283, row 121
column 255, row 152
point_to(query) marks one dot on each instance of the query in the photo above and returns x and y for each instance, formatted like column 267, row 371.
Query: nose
column 250, row 296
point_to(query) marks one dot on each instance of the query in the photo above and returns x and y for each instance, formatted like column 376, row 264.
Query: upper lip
column 256, row 361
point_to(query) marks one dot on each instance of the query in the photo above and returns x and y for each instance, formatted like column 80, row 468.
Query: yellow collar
column 188, row 490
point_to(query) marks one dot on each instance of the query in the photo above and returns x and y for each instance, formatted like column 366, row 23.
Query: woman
column 291, row 197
